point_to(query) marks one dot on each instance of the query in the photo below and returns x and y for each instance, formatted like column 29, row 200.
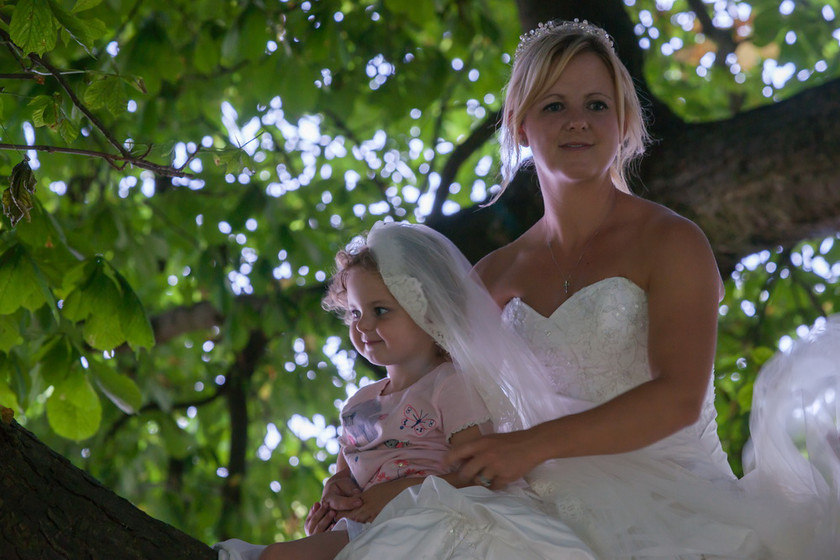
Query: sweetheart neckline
column 575, row 295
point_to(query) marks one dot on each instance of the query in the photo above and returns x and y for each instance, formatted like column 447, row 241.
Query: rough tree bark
column 50, row 509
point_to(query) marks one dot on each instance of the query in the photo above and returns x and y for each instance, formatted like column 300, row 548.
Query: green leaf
column 45, row 111
column 97, row 300
column 19, row 283
column 57, row 361
column 33, row 26
column 102, row 328
column 178, row 442
column 252, row 34
column 206, row 54
column 82, row 5
column 83, row 31
column 73, row 410
column 69, row 130
column 109, row 92
column 133, row 319
column 121, row 389
column 9, row 333
column 8, row 398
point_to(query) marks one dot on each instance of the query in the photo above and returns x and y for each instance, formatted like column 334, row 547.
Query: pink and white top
column 406, row 433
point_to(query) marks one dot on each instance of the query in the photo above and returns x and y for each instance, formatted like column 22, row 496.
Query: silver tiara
column 559, row 25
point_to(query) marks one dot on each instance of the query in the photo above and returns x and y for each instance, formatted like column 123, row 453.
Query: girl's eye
column 598, row 106
column 354, row 314
column 380, row 310
column 553, row 107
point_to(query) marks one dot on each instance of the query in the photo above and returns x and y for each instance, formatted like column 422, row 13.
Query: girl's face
column 380, row 329
column 572, row 129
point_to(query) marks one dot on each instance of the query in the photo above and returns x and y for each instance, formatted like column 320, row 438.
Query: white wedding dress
column 675, row 499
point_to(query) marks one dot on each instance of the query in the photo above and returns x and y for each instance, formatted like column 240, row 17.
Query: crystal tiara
column 576, row 25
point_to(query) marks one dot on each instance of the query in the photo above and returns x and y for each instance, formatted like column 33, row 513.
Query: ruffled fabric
column 435, row 521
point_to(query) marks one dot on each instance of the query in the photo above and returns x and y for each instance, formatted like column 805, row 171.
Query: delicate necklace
column 567, row 282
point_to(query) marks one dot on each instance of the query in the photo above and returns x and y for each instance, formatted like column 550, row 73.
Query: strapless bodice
column 594, row 346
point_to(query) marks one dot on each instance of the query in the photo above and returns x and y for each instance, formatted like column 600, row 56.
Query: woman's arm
column 683, row 292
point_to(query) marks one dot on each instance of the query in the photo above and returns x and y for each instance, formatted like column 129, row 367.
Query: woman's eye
column 598, row 106
column 553, row 107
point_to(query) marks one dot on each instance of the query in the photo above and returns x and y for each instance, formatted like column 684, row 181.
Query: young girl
column 396, row 431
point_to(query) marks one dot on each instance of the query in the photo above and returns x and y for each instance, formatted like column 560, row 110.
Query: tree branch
column 125, row 155
column 94, row 120
column 460, row 155
column 112, row 159
column 237, row 393
column 720, row 36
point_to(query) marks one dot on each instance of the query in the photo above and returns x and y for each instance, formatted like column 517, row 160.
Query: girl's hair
column 541, row 57
column 356, row 255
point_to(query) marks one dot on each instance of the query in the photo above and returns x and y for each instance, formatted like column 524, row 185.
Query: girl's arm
column 340, row 494
column 683, row 292
column 377, row 496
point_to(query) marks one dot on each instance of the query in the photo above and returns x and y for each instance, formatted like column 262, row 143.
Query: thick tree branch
column 51, row 509
column 237, row 394
column 481, row 134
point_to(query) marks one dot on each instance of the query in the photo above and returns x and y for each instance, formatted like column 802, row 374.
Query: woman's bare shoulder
column 661, row 226
column 492, row 268
column 676, row 246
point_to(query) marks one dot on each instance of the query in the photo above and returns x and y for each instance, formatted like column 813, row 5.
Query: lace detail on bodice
column 594, row 346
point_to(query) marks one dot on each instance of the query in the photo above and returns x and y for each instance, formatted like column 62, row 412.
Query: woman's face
column 572, row 129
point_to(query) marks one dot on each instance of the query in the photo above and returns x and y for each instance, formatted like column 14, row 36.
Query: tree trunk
column 51, row 509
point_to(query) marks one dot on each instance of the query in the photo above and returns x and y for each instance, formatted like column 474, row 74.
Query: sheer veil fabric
column 462, row 317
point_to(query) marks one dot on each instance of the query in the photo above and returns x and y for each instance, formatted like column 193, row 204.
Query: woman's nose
column 577, row 121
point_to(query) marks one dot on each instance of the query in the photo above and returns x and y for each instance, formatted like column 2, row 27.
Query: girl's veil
column 433, row 281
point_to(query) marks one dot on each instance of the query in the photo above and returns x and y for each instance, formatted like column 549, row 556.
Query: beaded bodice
column 594, row 346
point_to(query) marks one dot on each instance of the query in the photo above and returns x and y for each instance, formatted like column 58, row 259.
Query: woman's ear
column 523, row 138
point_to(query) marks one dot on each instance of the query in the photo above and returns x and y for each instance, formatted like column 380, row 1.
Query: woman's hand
column 498, row 458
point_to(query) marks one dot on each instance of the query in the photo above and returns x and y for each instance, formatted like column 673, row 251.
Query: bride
column 613, row 432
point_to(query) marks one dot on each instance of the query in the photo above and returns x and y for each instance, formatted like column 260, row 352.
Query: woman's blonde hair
column 540, row 58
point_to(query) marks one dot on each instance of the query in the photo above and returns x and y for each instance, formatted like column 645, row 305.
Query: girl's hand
column 341, row 492
column 319, row 519
column 377, row 496
column 498, row 458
